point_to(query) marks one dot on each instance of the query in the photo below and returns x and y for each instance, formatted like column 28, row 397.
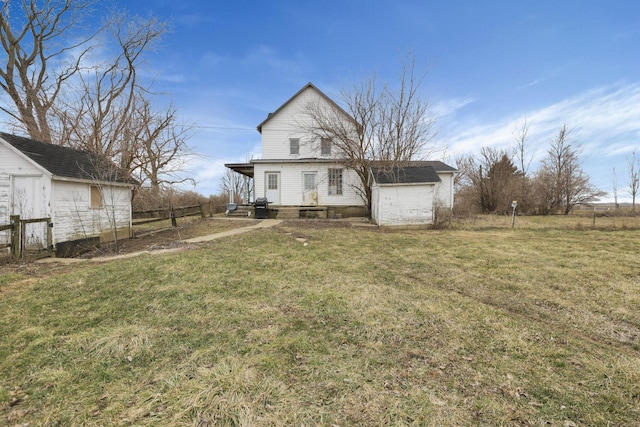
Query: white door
column 272, row 187
column 310, row 188
column 28, row 201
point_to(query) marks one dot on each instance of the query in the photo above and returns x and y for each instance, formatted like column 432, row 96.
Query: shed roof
column 405, row 175
column 435, row 164
column 67, row 162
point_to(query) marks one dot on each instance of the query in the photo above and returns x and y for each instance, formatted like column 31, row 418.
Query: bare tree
column 158, row 147
column 237, row 184
column 521, row 149
column 385, row 124
column 634, row 178
column 491, row 179
column 31, row 45
column 566, row 183
column 97, row 114
column 523, row 158
column 65, row 95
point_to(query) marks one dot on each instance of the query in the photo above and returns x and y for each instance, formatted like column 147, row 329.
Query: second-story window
column 325, row 147
column 294, row 145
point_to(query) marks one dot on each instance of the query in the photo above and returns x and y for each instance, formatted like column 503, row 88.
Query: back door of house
column 310, row 188
column 28, row 200
column 272, row 187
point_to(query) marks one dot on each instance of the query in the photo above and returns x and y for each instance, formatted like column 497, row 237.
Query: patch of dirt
column 164, row 237
column 150, row 240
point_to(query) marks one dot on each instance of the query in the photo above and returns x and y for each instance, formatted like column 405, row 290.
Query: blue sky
column 227, row 64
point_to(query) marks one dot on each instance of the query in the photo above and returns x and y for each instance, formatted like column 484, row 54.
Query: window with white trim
column 335, row 182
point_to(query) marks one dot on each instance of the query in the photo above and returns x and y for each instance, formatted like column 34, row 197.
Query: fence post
column 202, row 214
column 49, row 237
column 174, row 223
column 16, row 247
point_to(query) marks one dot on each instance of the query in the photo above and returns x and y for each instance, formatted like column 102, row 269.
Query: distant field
column 311, row 323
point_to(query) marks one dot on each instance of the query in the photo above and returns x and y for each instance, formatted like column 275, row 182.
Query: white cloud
column 604, row 122
column 450, row 106
column 599, row 118
column 530, row 84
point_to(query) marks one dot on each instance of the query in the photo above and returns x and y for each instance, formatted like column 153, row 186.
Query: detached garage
column 403, row 195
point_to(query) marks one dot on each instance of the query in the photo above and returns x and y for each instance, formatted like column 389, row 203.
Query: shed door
column 27, row 197
column 310, row 188
column 272, row 187
column 28, row 200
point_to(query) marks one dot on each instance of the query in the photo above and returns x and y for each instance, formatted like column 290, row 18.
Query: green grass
column 481, row 325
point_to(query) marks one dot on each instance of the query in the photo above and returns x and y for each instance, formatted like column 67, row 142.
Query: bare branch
column 384, row 124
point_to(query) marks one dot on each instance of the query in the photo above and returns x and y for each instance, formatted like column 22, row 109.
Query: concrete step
column 242, row 211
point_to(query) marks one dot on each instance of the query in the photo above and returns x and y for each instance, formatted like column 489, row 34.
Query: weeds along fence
column 21, row 244
column 172, row 213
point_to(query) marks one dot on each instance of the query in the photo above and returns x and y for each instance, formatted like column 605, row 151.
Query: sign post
column 513, row 213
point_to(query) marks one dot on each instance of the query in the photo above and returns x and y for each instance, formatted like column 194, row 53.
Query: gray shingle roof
column 436, row 164
column 405, row 175
column 68, row 162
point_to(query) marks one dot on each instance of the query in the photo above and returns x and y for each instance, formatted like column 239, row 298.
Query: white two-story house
column 299, row 170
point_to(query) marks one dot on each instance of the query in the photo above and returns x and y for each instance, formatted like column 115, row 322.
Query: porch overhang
column 245, row 169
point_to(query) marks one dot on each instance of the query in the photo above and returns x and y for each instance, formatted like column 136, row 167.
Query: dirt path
column 262, row 224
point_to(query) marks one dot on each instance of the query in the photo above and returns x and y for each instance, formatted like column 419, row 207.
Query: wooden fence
column 145, row 217
column 18, row 246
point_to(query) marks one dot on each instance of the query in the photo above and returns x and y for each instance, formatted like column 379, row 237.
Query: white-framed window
column 272, row 181
column 335, row 182
column 294, row 145
column 96, row 197
column 325, row 146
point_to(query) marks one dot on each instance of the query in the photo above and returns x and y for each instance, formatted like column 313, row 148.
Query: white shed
column 87, row 198
column 403, row 195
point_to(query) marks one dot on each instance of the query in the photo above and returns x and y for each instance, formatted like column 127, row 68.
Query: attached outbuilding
column 86, row 199
column 404, row 195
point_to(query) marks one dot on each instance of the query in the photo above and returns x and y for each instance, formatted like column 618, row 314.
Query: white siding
column 74, row 218
column 18, row 174
column 402, row 204
column 412, row 204
column 11, row 164
column 291, row 122
column 291, row 183
column 444, row 191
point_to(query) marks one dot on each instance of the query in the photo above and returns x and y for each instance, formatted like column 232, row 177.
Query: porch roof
column 245, row 169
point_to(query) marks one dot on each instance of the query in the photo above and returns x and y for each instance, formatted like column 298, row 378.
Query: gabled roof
column 405, row 175
column 67, row 162
column 307, row 86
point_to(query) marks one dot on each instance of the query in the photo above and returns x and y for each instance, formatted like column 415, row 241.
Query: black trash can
column 260, row 206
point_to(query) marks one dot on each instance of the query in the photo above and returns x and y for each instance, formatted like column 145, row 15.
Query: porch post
column 233, row 186
column 246, row 190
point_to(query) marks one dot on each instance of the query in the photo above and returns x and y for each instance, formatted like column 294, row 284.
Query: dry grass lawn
column 310, row 323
